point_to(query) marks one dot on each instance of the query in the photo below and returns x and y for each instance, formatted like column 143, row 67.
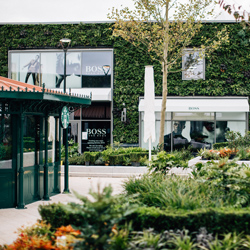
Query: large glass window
column 96, row 69
column 84, row 68
column 25, row 67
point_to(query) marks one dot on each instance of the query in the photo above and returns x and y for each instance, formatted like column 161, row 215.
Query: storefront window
column 193, row 116
column 84, row 69
column 53, row 70
column 25, row 67
column 5, row 142
column 95, row 135
column 96, row 69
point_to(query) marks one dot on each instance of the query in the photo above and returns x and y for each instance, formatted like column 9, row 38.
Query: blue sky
column 72, row 10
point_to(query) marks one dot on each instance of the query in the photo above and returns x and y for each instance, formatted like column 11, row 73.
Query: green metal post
column 21, row 204
column 66, row 165
column 56, row 161
column 46, row 167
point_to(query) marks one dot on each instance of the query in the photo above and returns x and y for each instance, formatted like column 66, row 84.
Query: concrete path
column 11, row 219
column 81, row 180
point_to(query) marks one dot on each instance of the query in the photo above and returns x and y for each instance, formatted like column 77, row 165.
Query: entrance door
column 7, row 171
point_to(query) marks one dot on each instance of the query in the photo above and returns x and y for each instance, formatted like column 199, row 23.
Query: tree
column 150, row 24
column 236, row 11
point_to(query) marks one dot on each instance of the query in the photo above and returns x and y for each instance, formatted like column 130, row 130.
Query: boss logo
column 97, row 132
column 193, row 108
column 94, row 69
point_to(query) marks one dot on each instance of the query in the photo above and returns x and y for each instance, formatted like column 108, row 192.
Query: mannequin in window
column 33, row 69
column 179, row 140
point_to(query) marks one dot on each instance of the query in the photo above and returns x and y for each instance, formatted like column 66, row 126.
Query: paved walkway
column 81, row 179
column 11, row 219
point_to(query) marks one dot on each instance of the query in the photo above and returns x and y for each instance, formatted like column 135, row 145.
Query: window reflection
column 5, row 138
column 83, row 69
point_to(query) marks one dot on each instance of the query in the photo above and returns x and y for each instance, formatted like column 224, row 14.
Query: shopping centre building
column 204, row 102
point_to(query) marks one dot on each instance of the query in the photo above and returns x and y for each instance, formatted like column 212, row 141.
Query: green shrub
column 219, row 145
column 86, row 156
column 216, row 220
column 2, row 152
column 77, row 160
column 94, row 156
column 163, row 162
column 95, row 218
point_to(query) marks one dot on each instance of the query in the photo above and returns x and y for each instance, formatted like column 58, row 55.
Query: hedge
column 216, row 220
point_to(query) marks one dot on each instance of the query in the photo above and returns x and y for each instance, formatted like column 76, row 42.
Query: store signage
column 64, row 117
column 194, row 108
column 97, row 132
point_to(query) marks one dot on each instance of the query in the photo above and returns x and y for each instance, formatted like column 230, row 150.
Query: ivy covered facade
column 227, row 70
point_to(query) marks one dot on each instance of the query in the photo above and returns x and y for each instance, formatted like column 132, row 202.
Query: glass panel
column 167, row 127
column 197, row 116
column 96, row 69
column 238, row 116
column 202, row 134
column 177, row 135
column 15, row 66
column 29, row 142
column 5, row 142
column 29, row 68
column 95, row 135
column 193, row 64
column 53, row 70
column 167, row 115
column 237, row 127
column 73, row 132
column 158, row 116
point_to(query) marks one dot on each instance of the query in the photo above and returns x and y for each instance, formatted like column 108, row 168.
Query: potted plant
column 86, row 156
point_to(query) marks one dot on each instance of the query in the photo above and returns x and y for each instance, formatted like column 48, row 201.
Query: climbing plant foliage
column 227, row 69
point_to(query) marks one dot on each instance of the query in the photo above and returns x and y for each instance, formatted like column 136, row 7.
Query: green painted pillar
column 46, row 167
column 66, row 165
column 56, row 162
column 21, row 204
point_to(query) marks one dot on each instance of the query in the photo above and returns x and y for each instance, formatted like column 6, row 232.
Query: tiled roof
column 7, row 84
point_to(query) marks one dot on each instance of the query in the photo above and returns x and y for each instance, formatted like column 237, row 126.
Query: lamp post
column 65, row 42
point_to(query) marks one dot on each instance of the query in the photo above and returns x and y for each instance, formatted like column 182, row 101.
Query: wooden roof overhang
column 17, row 97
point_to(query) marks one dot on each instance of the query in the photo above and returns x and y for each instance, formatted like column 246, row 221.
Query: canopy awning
column 205, row 104
column 37, row 99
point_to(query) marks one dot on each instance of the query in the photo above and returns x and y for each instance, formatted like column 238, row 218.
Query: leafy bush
column 163, row 162
column 2, row 152
column 227, row 176
column 123, row 156
column 95, row 219
column 73, row 148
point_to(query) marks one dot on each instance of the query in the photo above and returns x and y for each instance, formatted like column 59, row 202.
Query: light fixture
column 65, row 42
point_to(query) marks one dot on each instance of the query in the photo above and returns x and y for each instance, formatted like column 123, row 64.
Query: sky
column 61, row 11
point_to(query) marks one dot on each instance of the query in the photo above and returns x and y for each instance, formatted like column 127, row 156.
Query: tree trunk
column 163, row 105
column 164, row 78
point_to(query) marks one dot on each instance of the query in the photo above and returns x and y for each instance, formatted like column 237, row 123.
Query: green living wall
column 227, row 69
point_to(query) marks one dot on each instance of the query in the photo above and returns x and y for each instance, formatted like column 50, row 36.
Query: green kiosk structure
column 32, row 119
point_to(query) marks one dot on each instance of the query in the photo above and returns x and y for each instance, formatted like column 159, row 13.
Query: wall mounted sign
column 64, row 117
